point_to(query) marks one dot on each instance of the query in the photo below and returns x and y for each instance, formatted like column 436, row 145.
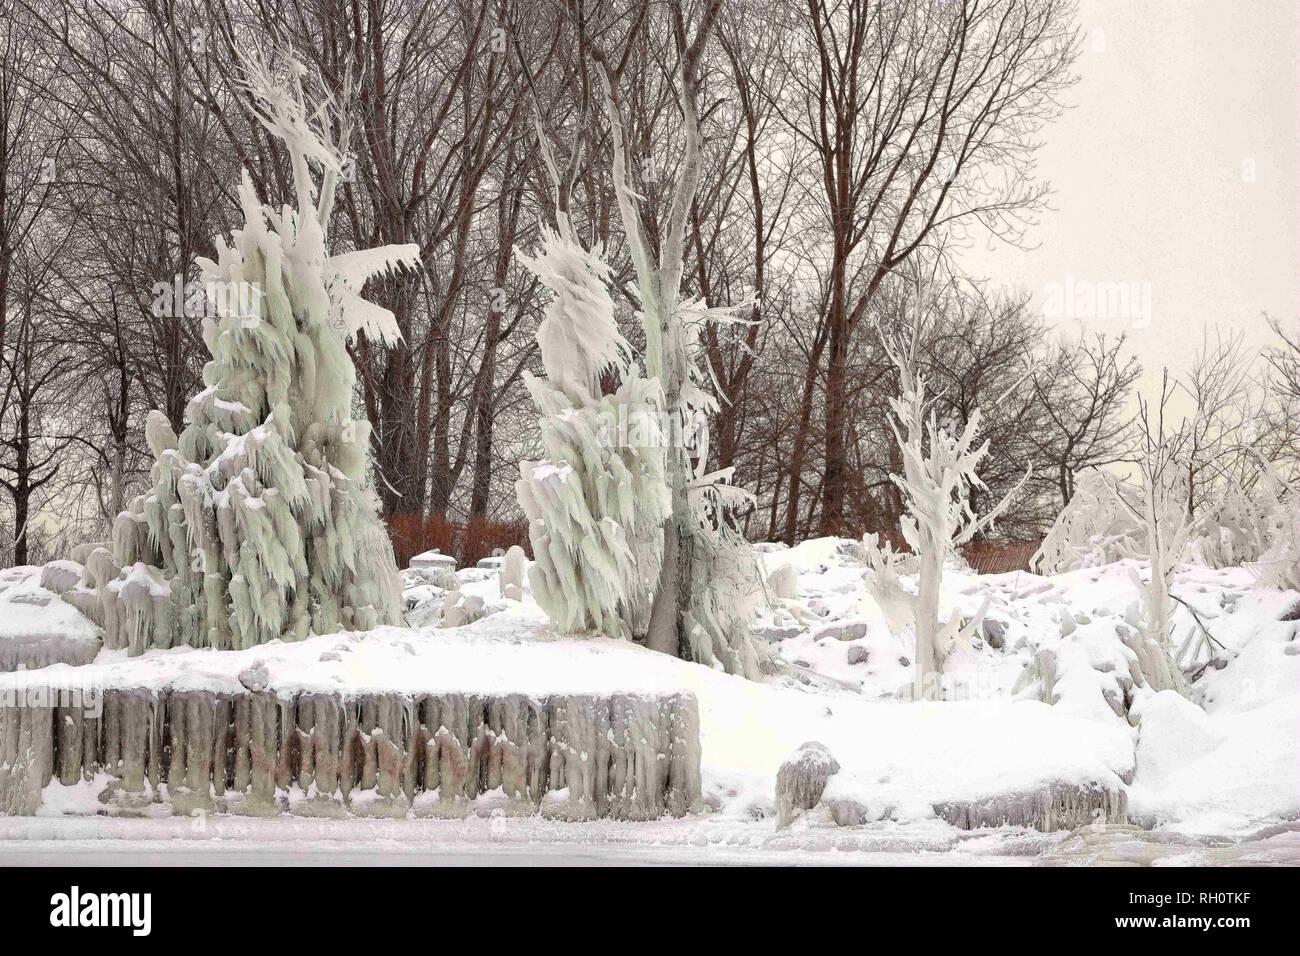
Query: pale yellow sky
column 1176, row 166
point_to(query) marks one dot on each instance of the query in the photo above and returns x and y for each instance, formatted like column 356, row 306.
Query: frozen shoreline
column 219, row 840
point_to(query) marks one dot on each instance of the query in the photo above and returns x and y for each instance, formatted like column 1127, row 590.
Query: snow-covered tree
column 705, row 576
column 940, row 465
column 260, row 524
column 596, row 502
column 1278, row 565
column 1093, row 529
column 1165, row 513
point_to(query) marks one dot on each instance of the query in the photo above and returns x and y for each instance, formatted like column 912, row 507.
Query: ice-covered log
column 630, row 756
column 1055, row 806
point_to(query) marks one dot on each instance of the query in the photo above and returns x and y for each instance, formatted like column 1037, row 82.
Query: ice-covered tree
column 1093, row 529
column 692, row 585
column 596, row 502
column 940, row 465
column 260, row 523
column 1278, row 565
column 1164, row 509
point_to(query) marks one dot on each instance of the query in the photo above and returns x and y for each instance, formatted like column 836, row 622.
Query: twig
column 1201, row 623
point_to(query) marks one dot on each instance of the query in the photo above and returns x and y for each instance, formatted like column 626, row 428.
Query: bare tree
column 922, row 117
column 1082, row 389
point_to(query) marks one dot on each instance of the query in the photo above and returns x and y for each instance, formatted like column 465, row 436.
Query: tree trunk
column 925, row 673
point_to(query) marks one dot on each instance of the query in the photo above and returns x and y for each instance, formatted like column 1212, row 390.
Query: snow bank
column 1234, row 766
column 907, row 762
column 1224, row 763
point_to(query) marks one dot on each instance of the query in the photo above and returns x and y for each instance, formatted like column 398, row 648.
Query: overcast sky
column 1176, row 166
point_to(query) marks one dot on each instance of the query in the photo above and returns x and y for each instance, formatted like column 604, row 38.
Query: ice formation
column 1052, row 807
column 596, row 502
column 938, row 477
column 514, row 569
column 801, row 780
column 1093, row 529
column 628, row 756
column 259, row 524
column 39, row 626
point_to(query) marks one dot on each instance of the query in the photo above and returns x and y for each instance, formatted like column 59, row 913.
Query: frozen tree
column 939, row 471
column 1279, row 563
column 709, row 580
column 596, row 502
column 1237, row 531
column 1093, row 528
column 259, row 524
column 1164, row 509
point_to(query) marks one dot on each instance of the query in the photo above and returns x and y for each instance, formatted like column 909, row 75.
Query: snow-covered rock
column 38, row 628
column 433, row 559
column 60, row 576
column 784, row 583
column 801, row 779
column 514, row 570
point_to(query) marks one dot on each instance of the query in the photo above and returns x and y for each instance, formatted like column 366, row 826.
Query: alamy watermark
column 87, row 697
column 641, row 427
column 1086, row 299
column 219, row 300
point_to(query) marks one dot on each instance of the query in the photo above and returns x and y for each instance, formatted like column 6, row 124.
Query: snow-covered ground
column 1213, row 780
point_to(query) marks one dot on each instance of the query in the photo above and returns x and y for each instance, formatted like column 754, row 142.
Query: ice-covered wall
column 626, row 756
column 1053, row 807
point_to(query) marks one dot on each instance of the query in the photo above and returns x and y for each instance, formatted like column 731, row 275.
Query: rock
column 775, row 634
column 446, row 580
column 847, row 812
column 843, row 631
column 80, row 552
column 255, row 678
column 1067, row 622
column 784, row 583
column 514, row 569
column 32, row 651
column 857, row 654
column 60, row 576
column 1292, row 613
column 801, row 780
column 33, row 598
column 433, row 559
column 994, row 632
column 460, row 609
